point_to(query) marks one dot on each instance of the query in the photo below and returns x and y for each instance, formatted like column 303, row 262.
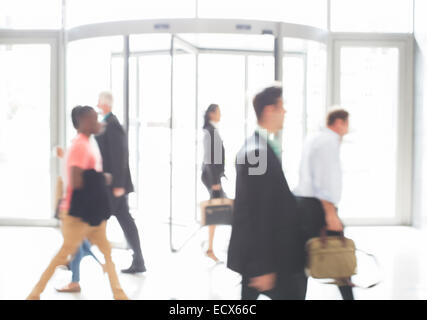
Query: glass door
column 183, row 136
column 149, row 134
column 368, row 86
column 25, row 132
column 294, row 129
column 228, row 92
column 231, row 70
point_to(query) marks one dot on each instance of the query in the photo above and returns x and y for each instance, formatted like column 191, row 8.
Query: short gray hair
column 105, row 97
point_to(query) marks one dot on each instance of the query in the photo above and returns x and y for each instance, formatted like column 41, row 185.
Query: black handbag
column 92, row 203
column 217, row 211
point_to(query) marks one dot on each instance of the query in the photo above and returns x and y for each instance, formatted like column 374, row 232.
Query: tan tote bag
column 334, row 257
column 331, row 258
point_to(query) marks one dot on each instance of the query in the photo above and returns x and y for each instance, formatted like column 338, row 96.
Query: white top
column 320, row 173
column 214, row 124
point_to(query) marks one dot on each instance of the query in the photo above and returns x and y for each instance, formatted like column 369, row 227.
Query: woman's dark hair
column 77, row 113
column 212, row 108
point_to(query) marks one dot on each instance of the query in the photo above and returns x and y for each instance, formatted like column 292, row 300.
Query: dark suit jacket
column 113, row 145
column 266, row 233
column 92, row 202
column 213, row 143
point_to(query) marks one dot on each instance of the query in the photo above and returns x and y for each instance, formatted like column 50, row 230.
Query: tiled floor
column 25, row 252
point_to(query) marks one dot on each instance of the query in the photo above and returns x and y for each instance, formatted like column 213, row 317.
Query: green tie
column 277, row 148
column 272, row 142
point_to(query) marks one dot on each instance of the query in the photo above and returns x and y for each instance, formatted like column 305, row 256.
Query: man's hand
column 333, row 223
column 118, row 192
column 108, row 178
column 263, row 283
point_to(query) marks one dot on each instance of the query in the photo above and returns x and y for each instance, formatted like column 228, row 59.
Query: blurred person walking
column 84, row 250
column 83, row 173
column 320, row 179
column 113, row 145
column 213, row 164
column 266, row 247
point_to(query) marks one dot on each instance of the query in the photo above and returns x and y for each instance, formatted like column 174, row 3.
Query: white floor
column 188, row 274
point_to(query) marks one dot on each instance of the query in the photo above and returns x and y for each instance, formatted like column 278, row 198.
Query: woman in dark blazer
column 213, row 163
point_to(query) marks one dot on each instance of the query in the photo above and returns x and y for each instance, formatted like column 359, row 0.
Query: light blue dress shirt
column 320, row 173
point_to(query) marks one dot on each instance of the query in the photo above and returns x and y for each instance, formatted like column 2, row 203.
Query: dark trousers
column 127, row 223
column 346, row 291
column 288, row 287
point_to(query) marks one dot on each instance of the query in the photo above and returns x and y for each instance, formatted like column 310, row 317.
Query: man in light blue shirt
column 320, row 173
column 321, row 181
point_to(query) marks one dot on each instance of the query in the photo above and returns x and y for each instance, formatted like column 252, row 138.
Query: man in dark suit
column 113, row 145
column 266, row 245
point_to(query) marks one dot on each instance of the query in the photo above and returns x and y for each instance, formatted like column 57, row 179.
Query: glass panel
column 90, row 66
column 30, row 14
column 310, row 12
column 183, row 156
column 183, row 139
column 369, row 91
column 260, row 75
column 134, row 127
column 316, row 86
column 230, row 41
column 84, row 12
column 294, row 126
column 25, row 154
column 153, row 103
column 150, row 42
column 233, row 93
column 117, row 69
column 304, row 90
column 371, row 15
column 155, row 89
column 315, row 54
column 228, row 91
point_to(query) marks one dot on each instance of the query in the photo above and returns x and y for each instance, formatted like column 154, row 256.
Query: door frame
column 53, row 39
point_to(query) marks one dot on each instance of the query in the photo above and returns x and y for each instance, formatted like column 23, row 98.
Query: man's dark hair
column 336, row 114
column 77, row 113
column 266, row 97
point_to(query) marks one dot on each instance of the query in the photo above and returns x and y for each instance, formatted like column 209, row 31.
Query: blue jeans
column 82, row 252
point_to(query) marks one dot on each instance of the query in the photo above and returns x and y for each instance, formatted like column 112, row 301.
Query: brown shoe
column 70, row 288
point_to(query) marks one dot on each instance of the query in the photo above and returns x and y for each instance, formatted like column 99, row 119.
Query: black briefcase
column 217, row 212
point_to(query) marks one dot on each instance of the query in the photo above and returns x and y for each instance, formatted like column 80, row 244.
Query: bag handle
column 324, row 237
column 376, row 263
